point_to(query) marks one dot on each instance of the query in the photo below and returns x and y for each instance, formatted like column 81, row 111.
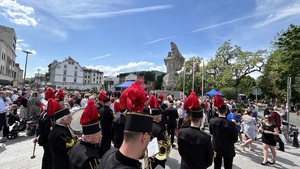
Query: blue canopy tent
column 126, row 84
column 213, row 92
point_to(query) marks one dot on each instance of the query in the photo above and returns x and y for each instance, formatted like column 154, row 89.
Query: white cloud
column 283, row 11
column 117, row 13
column 21, row 44
column 231, row 21
column 103, row 56
column 130, row 67
column 18, row 14
column 157, row 40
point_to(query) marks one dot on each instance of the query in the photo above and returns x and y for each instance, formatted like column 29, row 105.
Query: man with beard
column 106, row 119
column 137, row 132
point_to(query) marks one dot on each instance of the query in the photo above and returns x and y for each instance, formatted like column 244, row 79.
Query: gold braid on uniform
column 69, row 141
column 94, row 164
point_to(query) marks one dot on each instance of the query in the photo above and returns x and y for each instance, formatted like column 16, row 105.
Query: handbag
column 282, row 138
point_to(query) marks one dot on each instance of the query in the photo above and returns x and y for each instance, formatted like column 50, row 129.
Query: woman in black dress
column 269, row 130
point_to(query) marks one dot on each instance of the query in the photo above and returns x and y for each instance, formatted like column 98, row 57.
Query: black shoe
column 173, row 145
column 264, row 163
column 272, row 162
column 281, row 150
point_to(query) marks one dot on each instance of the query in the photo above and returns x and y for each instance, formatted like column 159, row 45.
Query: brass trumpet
column 164, row 147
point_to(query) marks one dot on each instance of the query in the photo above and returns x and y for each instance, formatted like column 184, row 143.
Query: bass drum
column 76, row 115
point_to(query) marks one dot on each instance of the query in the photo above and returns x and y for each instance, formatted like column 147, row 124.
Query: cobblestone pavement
column 16, row 154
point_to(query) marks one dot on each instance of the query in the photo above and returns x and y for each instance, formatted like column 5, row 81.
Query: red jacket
column 276, row 118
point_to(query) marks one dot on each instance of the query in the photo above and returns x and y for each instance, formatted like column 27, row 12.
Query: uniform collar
column 127, row 161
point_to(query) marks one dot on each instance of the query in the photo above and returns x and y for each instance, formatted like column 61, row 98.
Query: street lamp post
column 38, row 79
column 27, row 52
column 236, row 90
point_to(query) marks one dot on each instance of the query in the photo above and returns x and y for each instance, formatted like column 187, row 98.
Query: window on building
column 64, row 79
column 72, row 63
column 75, row 73
column 75, row 79
column 58, row 67
column 65, row 72
column 75, row 67
column 93, row 79
column 69, row 63
column 65, row 66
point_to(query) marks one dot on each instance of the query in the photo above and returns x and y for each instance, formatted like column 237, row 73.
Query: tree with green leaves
column 231, row 65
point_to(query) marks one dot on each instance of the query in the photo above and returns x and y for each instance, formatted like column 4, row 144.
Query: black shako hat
column 138, row 122
column 133, row 99
column 61, row 113
column 192, row 103
column 89, row 119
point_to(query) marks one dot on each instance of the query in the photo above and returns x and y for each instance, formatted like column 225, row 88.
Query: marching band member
column 193, row 141
column 84, row 154
column 224, row 136
column 106, row 118
column 61, row 139
column 159, row 133
column 46, row 124
column 137, row 132
column 118, row 124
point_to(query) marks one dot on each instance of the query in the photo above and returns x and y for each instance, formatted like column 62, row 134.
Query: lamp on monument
column 27, row 52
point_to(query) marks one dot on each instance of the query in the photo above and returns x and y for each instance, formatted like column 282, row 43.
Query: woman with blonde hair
column 249, row 129
column 269, row 130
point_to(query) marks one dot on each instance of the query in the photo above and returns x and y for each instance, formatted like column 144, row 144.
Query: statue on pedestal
column 174, row 62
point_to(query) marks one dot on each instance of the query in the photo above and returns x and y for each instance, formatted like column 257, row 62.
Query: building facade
column 8, row 56
column 67, row 74
column 93, row 79
column 18, row 81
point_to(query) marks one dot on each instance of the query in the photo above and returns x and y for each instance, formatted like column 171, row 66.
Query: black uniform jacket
column 172, row 115
column 195, row 148
column 106, row 119
column 46, row 123
column 84, row 155
column 58, row 139
column 158, row 132
column 115, row 159
column 118, row 130
column 224, row 136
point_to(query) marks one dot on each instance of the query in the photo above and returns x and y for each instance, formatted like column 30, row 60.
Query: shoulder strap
column 106, row 157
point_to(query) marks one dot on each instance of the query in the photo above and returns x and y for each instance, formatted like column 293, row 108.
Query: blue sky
column 128, row 35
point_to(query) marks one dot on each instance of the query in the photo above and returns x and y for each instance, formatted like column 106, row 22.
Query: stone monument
column 174, row 62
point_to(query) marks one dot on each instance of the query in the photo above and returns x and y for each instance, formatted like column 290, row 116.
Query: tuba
column 164, row 147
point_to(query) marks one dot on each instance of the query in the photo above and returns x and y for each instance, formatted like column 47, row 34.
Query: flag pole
column 183, row 88
column 202, row 76
column 193, row 76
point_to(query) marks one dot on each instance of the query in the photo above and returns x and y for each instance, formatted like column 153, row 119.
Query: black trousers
column 180, row 123
column 105, row 144
column 47, row 157
column 281, row 145
column 171, row 130
column 3, row 125
column 227, row 162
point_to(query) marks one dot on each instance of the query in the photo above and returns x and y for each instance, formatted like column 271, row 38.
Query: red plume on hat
column 160, row 97
column 52, row 107
column 117, row 107
column 102, row 96
column 218, row 101
column 133, row 98
column 60, row 94
column 169, row 98
column 90, row 113
column 153, row 103
column 192, row 102
column 49, row 93
column 186, row 104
